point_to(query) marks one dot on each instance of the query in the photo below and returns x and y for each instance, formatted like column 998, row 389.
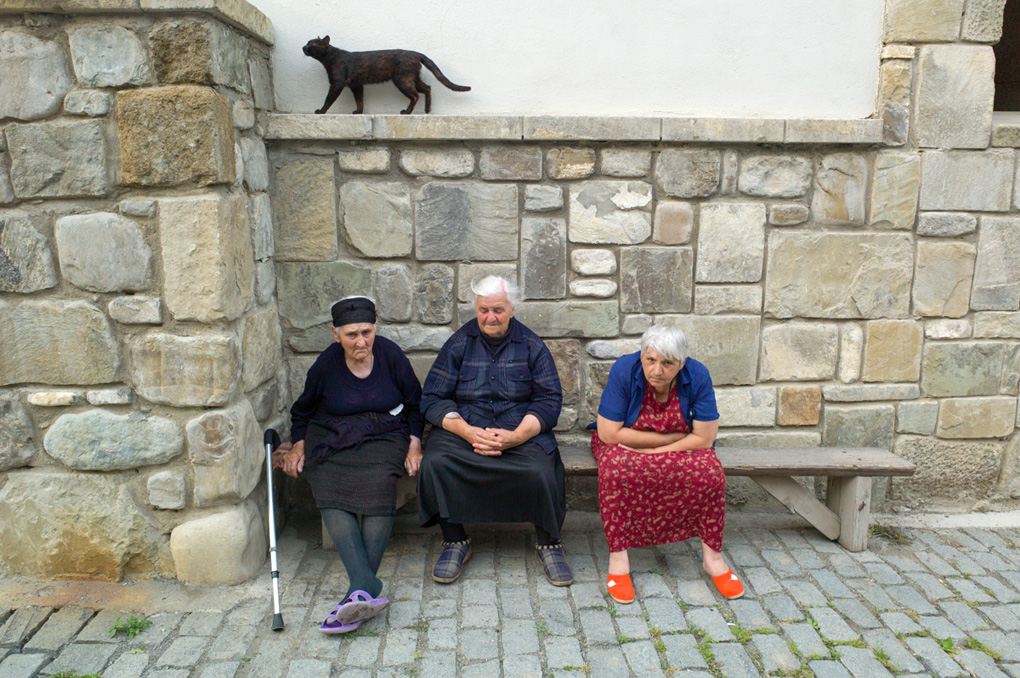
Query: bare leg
column 359, row 98
column 619, row 562
column 711, row 560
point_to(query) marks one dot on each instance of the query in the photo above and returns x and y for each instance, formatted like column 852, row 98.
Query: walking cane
column 272, row 441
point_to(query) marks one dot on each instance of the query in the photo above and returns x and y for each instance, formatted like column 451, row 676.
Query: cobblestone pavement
column 918, row 602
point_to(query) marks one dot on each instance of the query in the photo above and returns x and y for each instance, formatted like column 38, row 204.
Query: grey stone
column 731, row 243
column 966, row 180
column 775, row 176
column 996, row 325
column 304, row 211
column 656, row 279
column 220, row 549
column 15, row 432
column 593, row 288
column 433, row 294
column 198, row 371
column 33, row 76
column 908, row 21
column 226, row 454
column 364, row 160
column 727, row 345
column 88, row 102
column 414, row 338
column 720, row 299
column 625, row 162
column 746, row 406
column 688, row 173
column 947, row 329
column 6, row 191
column 569, row 163
column 136, row 310
column 166, row 490
column 788, row 215
column 260, row 347
column 870, row 426
column 58, row 629
column 107, row 55
column 472, row 221
column 542, row 198
column 98, row 440
column 895, row 189
column 673, row 223
column 865, row 392
column 103, row 252
column 977, row 417
column 82, row 657
column 543, row 258
column 997, row 272
column 593, row 262
column 507, row 163
column 256, row 164
column 392, row 289
column 608, row 212
column 447, row 164
column 58, row 159
column 798, row 351
column 955, row 90
column 138, row 208
column 26, row 263
column 244, row 115
column 894, row 91
column 948, row 472
column 961, row 368
column 611, row 349
column 636, row 324
column 942, row 279
column 307, row 290
column 261, row 83
column 945, row 224
column 982, row 21
column 262, row 235
column 589, row 319
column 265, row 281
column 377, row 217
column 934, row 657
column 840, row 189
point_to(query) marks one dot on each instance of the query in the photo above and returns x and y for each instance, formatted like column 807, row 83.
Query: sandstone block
column 136, row 310
column 458, row 163
column 588, row 319
column 982, row 22
column 377, row 217
column 97, row 440
column 838, row 275
column 468, row 221
column 508, row 163
column 966, row 368
column 109, row 396
column 543, row 258
column 895, row 189
column 542, row 198
column 955, row 90
column 569, row 163
column 976, row 417
column 26, row 263
column 894, row 92
column 198, row 371
column 611, row 212
column 788, row 215
column 731, row 242
column 391, row 285
column 636, row 323
column 775, row 176
column 90, row 102
column 947, row 329
column 364, row 160
column 107, row 55
column 688, row 173
column 260, row 211
column 256, row 164
column 870, row 426
column 856, row 393
column 208, row 271
column 796, row 351
column 746, row 406
column 306, row 291
column 58, row 159
column 103, row 252
column 917, row 417
column 674, row 222
column 16, row 434
column 840, row 189
column 625, row 162
column 997, row 272
column 33, row 76
column 593, row 262
column 305, row 211
column 727, row 345
column 566, row 354
column 932, row 21
column 226, row 453
column 39, row 348
column 851, row 342
column 416, row 338
column 966, row 180
column 166, row 490
column 799, row 406
column 994, row 325
column 260, row 347
column 200, row 52
column 221, row 549
column 947, row 471
column 433, row 294
column 719, row 299
column 942, row 278
column 656, row 279
column 945, row 224
column 593, row 288
column 892, row 350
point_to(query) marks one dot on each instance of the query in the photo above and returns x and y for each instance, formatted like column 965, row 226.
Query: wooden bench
column 846, row 513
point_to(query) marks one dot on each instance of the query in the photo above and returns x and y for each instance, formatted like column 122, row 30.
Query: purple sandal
column 333, row 625
column 360, row 606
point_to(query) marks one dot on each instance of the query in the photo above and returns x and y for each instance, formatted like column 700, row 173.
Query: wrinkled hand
column 290, row 458
column 413, row 460
column 498, row 439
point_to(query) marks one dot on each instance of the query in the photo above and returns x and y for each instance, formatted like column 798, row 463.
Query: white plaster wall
column 737, row 58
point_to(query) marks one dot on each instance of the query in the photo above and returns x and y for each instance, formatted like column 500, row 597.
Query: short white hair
column 668, row 341
column 494, row 285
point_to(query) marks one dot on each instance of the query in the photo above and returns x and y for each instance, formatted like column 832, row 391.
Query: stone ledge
column 1006, row 129
column 304, row 127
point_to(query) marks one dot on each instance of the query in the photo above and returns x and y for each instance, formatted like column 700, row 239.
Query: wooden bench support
column 794, row 497
column 850, row 498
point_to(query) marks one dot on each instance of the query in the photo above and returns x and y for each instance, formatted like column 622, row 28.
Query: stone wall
column 140, row 347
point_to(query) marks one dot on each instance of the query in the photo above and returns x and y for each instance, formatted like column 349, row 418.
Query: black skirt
column 360, row 479
column 522, row 485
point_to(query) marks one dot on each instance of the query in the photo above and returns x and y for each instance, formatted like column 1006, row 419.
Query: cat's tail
column 431, row 65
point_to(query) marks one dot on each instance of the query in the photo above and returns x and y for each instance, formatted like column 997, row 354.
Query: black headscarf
column 353, row 310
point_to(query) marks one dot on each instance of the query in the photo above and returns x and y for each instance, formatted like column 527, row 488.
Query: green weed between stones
column 742, row 635
column 132, row 626
column 882, row 656
column 947, row 645
column 541, row 629
column 584, row 668
column 893, row 534
column 973, row 644
column 72, row 674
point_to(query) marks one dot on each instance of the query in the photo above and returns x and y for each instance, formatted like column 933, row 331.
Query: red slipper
column 620, row 588
column 729, row 585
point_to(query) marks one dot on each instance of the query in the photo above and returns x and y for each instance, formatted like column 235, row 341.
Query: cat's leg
column 420, row 85
column 406, row 86
column 359, row 98
column 334, row 92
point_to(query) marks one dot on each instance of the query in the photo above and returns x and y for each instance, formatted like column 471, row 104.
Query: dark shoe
column 554, row 564
column 451, row 561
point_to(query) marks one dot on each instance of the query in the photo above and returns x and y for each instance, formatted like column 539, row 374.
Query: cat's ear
column 326, row 40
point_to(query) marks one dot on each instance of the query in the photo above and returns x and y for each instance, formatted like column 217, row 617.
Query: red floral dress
column 648, row 499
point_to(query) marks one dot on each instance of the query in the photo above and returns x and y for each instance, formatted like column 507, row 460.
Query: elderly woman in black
column 356, row 429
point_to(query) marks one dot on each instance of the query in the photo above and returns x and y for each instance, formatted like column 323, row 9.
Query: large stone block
column 107, row 55
column 566, row 354
column 731, row 242
column 56, row 342
column 201, row 52
column 588, row 319
column 208, row 270
column 304, row 211
column 166, row 490
column 260, row 347
column 569, row 163
column 221, row 549
column 948, row 472
column 997, row 272
column 433, row 294
column 895, row 189
column 892, row 350
column 543, row 258
column 468, row 221
column 727, row 345
column 674, row 222
column 799, row 352
column 364, row 160
column 175, row 135
column 626, row 162
column 955, row 90
column 33, row 76
column 306, row 291
column 788, row 215
column 508, row 163
column 392, row 290
column 922, row 20
column 437, row 163
column 746, row 406
column 103, row 252
column 58, row 159
column 56, row 524
column 136, row 310
column 469, row 273
column 982, row 22
column 416, row 337
column 611, row 212
column 966, row 368
column 840, row 189
column 16, row 447
column 869, row 426
column 226, row 453
column 98, row 440
column 719, row 299
column 256, row 164
column 691, row 173
column 200, row 371
column 967, row 180
column 945, row 224
column 90, row 102
column 839, row 275
column 542, row 198
column 857, row 393
column 917, row 417
column 995, row 325
column 942, row 279
column 377, row 217
column 26, row 263
column 775, row 176
column 895, row 77
column 656, row 279
column 611, row 349
column 800, row 406
column 593, row 262
column 976, row 417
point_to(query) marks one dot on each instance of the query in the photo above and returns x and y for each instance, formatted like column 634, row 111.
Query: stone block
column 947, row 329
column 262, row 79
column 304, row 211
column 447, row 127
column 965, row 368
column 995, row 325
column 542, row 198
column 719, row 299
column 16, row 448
column 208, row 271
column 103, row 252
column 593, row 288
column 673, row 223
column 244, row 115
column 377, row 217
column 807, row 131
column 892, row 350
column 966, row 181
column 33, row 76
column 221, row 549
column 107, row 55
column 136, row 310
column 199, row 371
column 318, row 127
column 799, row 405
column 39, row 348
column 656, row 279
column 867, row 426
column 727, row 345
column 435, row 163
column 88, row 102
column 433, row 294
column 364, row 160
column 306, row 291
column 851, row 342
column 109, row 396
column 945, row 224
column 416, row 338
column 26, row 263
column 265, row 282
column 256, row 164
column 260, row 347
column 166, row 490
column 611, row 349
column 894, row 81
column 982, row 21
column 955, row 91
column 391, row 287
column 596, row 128
column 466, row 221
column 926, row 21
column 746, row 406
column 468, row 273
column 626, row 162
column 543, row 258
column 260, row 211
column 79, row 525
column 943, row 275
column 731, row 242
column 857, row 393
column 611, row 212
column 566, row 354
column 588, row 319
column 895, row 189
column 200, row 52
column 840, row 189
column 226, row 453
column 6, row 190
column 754, row 130
column 138, row 208
column 58, row 159
column 593, row 262
column 795, row 351
column 997, row 271
column 636, row 324
column 510, row 163
column 728, row 181
column 948, row 472
column 770, row 439
column 775, row 176
column 838, row 275
column 917, row 417
column 693, row 173
column 98, row 440
column 54, row 398
column 788, row 215
column 976, row 417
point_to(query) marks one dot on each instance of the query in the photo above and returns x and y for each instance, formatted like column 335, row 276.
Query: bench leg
column 407, row 489
column 800, row 501
column 850, row 498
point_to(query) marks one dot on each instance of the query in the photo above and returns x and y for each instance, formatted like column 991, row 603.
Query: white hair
column 669, row 342
column 494, row 285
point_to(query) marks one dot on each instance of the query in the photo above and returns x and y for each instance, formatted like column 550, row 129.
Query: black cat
column 357, row 69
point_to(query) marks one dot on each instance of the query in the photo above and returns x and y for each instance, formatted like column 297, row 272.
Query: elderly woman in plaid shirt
column 493, row 397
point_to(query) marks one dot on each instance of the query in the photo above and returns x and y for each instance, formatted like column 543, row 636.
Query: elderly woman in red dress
column 659, row 478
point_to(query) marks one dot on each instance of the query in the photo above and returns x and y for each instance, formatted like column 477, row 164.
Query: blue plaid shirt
column 495, row 388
